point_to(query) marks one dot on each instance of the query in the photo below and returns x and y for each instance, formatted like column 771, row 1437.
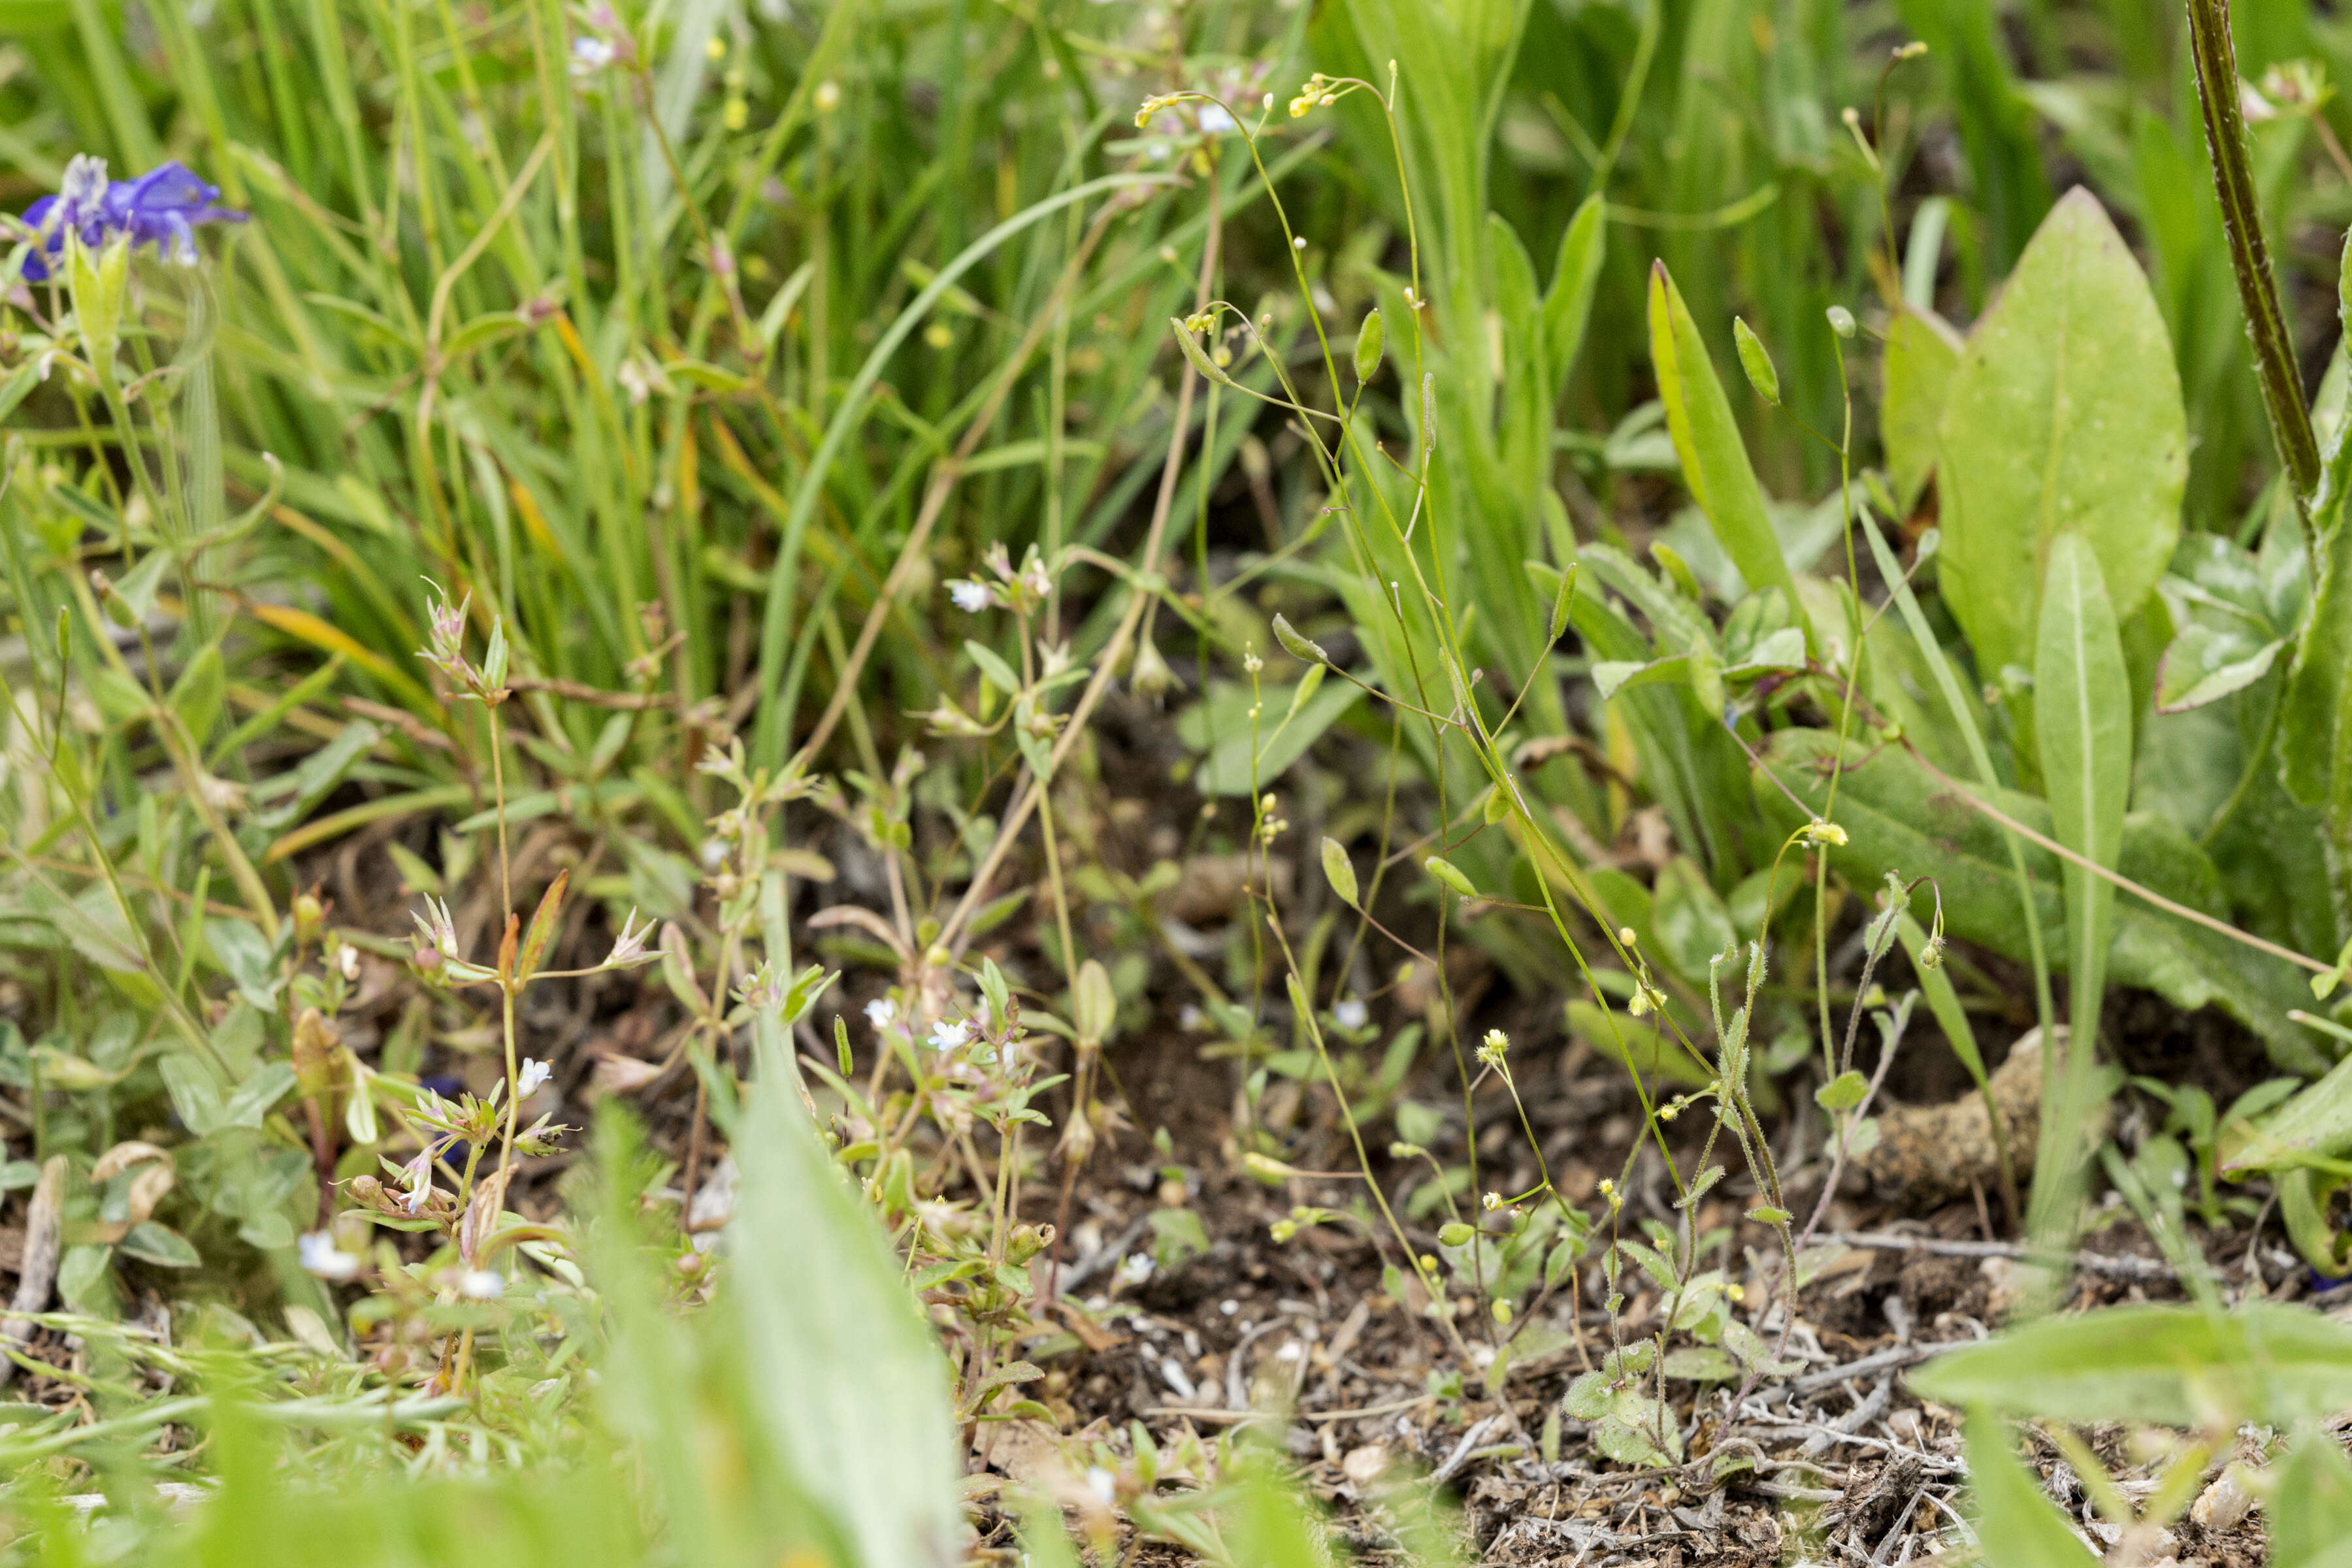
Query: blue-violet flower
column 160, row 208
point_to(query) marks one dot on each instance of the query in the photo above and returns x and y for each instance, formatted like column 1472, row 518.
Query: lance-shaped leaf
column 1706, row 439
column 2085, row 724
column 2020, row 1526
column 543, row 924
column 2168, row 1365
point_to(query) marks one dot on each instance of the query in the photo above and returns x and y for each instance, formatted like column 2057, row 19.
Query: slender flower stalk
column 2250, row 256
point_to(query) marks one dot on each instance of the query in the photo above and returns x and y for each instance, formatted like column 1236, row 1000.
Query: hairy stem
column 2249, row 256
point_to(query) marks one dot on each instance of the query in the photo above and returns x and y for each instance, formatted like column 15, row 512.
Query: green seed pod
column 1194, row 353
column 1094, row 1005
column 1298, row 646
column 1757, row 361
column 1340, row 870
column 1369, row 339
column 1445, row 872
column 1455, row 1233
column 1842, row 320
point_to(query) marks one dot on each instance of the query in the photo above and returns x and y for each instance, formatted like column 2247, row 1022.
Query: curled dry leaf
column 621, row 1075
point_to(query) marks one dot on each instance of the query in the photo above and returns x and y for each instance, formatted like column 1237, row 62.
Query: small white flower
column 948, row 1034
column 481, row 1285
column 1215, row 121
column 1103, row 1484
column 322, row 1258
column 1135, row 1267
column 1349, row 1013
column 417, row 1174
column 630, row 945
column 438, row 929
column 970, row 598
column 882, row 1012
column 590, row 55
column 346, row 962
column 534, row 1073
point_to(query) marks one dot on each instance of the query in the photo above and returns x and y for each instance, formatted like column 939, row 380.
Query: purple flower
column 161, row 208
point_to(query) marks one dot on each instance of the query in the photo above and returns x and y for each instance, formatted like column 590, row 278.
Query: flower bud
column 318, row 1060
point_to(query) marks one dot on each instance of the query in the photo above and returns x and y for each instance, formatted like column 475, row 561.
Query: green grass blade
column 775, row 629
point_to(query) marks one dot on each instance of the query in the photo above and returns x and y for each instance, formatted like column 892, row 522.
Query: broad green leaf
column 162, row 1246
column 194, row 1091
column 2315, row 1125
column 1615, row 675
column 2310, row 1509
column 246, row 956
column 2222, row 603
column 1639, row 1430
column 1269, row 1524
column 2020, row 1526
column 1899, row 817
column 1916, row 374
column 2063, row 416
column 2168, row 1365
column 1702, row 1363
column 2206, row 662
column 1842, row 1093
column 2083, row 714
column 1706, row 439
column 1780, row 650
column 250, row 1100
column 853, row 1357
